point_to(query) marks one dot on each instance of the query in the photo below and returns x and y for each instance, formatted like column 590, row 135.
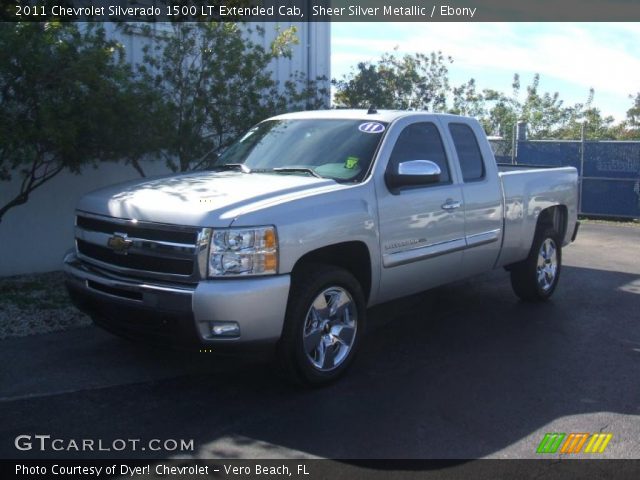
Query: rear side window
column 421, row 141
column 468, row 150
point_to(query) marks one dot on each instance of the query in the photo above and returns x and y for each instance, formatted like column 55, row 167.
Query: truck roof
column 360, row 114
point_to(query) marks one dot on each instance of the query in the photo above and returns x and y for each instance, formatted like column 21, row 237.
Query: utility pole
column 581, row 173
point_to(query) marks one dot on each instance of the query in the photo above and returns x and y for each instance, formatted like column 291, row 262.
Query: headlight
column 243, row 251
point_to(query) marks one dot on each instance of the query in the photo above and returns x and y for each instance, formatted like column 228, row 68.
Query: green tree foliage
column 415, row 81
column 66, row 102
column 630, row 129
column 467, row 101
column 421, row 82
column 545, row 114
column 215, row 83
column 633, row 114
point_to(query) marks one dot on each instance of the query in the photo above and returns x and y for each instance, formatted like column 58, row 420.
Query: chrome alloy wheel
column 330, row 328
column 547, row 266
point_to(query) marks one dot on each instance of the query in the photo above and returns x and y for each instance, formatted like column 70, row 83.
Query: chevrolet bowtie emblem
column 119, row 243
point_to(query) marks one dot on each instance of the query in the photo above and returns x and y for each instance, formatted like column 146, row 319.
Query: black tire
column 524, row 275
column 308, row 284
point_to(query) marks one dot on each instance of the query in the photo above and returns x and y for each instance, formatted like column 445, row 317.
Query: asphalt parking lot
column 463, row 371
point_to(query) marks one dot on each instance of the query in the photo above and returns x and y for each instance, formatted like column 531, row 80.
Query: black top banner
column 319, row 10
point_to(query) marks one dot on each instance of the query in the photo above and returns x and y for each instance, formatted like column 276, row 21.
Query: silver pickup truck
column 306, row 221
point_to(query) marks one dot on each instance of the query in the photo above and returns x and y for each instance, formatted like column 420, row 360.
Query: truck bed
column 527, row 190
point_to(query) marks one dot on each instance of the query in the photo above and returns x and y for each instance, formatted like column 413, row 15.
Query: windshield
column 332, row 148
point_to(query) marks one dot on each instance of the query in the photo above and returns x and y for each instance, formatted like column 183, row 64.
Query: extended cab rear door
column 421, row 227
column 483, row 205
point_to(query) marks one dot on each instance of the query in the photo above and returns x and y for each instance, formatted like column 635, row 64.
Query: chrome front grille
column 143, row 249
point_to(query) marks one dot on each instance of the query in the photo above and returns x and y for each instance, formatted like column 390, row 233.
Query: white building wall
column 311, row 56
column 35, row 236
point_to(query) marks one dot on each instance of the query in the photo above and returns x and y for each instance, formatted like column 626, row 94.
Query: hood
column 200, row 199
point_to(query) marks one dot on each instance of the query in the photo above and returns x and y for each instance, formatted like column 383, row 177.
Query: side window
column 468, row 150
column 421, row 141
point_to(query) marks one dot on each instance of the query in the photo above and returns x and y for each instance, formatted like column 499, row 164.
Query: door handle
column 450, row 205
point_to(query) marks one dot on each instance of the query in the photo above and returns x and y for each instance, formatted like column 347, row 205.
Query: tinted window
column 469, row 155
column 420, row 141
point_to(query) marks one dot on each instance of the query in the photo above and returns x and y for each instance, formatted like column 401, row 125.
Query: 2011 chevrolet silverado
column 306, row 221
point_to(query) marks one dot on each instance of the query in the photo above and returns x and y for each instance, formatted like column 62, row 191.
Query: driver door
column 421, row 227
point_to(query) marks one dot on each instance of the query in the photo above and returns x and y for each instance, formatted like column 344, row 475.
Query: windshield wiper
column 233, row 166
column 309, row 171
column 244, row 169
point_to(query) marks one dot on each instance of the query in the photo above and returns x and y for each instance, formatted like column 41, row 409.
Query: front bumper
column 179, row 314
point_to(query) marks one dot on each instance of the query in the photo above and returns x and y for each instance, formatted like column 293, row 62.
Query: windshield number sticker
column 371, row 127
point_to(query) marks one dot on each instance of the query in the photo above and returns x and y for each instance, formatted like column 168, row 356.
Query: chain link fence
column 609, row 170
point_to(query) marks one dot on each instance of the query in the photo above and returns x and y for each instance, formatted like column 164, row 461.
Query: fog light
column 225, row 329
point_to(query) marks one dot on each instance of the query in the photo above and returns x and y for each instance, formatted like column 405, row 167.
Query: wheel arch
column 353, row 256
column 555, row 217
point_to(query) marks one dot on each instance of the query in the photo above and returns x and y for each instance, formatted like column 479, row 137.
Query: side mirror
column 411, row 173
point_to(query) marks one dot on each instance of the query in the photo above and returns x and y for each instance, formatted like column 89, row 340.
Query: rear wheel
column 324, row 323
column 535, row 278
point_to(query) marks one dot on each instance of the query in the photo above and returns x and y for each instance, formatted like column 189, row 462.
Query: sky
column 570, row 57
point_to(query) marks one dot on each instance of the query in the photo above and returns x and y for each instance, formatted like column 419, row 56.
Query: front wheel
column 535, row 278
column 323, row 326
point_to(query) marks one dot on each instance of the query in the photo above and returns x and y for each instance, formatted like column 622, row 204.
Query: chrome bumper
column 179, row 313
